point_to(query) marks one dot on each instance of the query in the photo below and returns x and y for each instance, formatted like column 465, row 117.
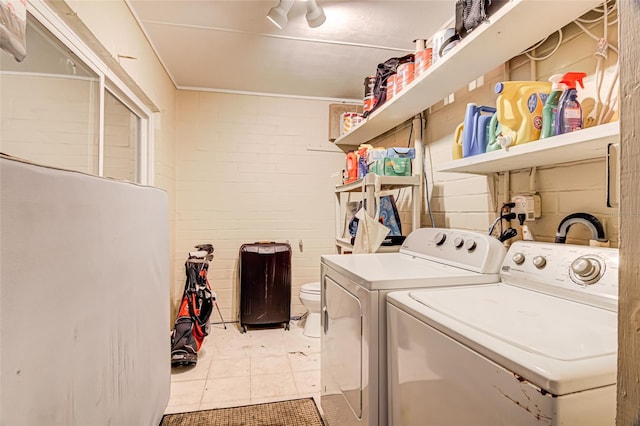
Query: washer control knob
column 470, row 245
column 440, row 238
column 586, row 269
column 518, row 258
column 458, row 242
column 539, row 262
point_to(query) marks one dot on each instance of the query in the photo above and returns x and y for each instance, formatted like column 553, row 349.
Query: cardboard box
column 335, row 110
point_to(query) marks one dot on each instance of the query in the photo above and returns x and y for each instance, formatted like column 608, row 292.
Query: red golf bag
column 192, row 322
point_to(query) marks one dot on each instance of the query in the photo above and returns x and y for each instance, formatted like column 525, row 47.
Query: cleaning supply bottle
column 550, row 108
column 362, row 159
column 569, row 115
column 456, row 153
column 519, row 110
column 351, row 167
column 494, row 131
column 476, row 122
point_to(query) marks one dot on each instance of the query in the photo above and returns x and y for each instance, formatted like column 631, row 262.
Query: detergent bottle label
column 532, row 103
column 543, row 97
column 537, row 122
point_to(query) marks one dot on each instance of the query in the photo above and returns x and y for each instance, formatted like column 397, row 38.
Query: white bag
column 371, row 233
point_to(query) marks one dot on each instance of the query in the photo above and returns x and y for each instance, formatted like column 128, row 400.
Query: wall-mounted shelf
column 513, row 28
column 581, row 145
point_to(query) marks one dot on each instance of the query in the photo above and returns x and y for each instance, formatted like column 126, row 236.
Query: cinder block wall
column 253, row 168
column 472, row 201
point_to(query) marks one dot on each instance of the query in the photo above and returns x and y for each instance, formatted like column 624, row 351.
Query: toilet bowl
column 310, row 298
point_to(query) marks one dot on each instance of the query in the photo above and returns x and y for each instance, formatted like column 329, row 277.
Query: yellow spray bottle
column 519, row 110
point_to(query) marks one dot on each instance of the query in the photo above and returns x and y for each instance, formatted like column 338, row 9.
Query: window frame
column 108, row 80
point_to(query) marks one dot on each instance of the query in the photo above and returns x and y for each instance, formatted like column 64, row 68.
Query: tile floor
column 262, row 365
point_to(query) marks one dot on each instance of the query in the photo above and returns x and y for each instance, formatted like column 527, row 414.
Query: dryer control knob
column 539, row 262
column 586, row 269
column 471, row 245
column 518, row 258
column 458, row 242
column 440, row 238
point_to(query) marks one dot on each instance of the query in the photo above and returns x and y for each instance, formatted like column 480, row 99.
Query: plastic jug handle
column 511, row 122
column 487, row 109
column 457, row 142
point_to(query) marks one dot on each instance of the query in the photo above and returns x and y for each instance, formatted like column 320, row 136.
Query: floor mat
column 297, row 412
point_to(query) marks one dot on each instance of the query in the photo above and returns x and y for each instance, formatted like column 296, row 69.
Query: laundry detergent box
column 397, row 166
column 377, row 167
column 401, row 153
column 375, row 160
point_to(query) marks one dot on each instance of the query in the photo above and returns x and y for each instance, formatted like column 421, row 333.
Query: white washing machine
column 353, row 300
column 537, row 348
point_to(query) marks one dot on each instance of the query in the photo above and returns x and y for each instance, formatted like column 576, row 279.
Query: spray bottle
column 569, row 116
column 550, row 108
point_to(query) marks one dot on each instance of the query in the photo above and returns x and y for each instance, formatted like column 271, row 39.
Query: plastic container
column 550, row 108
column 362, row 160
column 404, row 75
column 569, row 116
column 476, row 126
column 391, row 86
column 422, row 61
column 352, row 167
column 456, row 153
column 519, row 110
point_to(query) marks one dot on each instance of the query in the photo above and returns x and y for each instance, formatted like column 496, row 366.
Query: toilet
column 310, row 298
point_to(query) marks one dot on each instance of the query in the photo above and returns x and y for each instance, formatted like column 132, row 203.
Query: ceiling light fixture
column 278, row 14
column 315, row 14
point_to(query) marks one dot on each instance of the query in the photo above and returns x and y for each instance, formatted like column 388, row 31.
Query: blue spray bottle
column 569, row 115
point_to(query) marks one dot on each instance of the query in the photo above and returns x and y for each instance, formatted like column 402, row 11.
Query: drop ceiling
column 231, row 46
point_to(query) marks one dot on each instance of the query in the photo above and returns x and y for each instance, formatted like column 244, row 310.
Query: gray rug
column 297, row 412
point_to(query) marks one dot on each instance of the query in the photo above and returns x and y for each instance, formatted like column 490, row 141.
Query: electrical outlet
column 527, row 204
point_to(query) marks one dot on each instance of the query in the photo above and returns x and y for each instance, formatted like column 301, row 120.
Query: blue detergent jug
column 476, row 129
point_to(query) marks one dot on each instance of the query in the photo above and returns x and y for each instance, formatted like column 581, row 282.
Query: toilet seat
column 311, row 288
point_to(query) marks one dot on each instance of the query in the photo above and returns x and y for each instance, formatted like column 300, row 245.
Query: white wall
column 253, row 168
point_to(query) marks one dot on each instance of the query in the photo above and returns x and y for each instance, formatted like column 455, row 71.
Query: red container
column 391, row 86
column 404, row 75
column 422, row 61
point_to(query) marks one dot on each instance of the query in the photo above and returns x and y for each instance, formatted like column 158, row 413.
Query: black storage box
column 265, row 284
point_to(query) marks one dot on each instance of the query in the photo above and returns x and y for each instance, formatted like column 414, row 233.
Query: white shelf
column 345, row 244
column 581, row 145
column 514, row 27
column 387, row 183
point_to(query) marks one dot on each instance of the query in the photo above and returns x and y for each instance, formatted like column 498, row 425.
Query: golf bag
column 192, row 322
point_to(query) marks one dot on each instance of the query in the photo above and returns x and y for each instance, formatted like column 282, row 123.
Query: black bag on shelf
column 383, row 72
column 469, row 15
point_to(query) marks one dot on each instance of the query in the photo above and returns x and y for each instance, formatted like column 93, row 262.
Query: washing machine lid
column 389, row 271
column 560, row 345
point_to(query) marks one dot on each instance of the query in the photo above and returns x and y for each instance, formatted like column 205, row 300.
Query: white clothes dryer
column 537, row 348
column 353, row 300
